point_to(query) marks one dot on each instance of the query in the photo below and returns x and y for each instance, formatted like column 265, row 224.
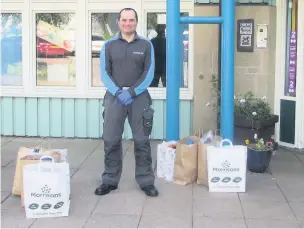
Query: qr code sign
column 245, row 40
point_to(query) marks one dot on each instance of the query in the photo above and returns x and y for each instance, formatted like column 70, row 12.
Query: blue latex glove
column 125, row 97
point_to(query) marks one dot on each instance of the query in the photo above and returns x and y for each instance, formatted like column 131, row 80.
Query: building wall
column 56, row 117
column 253, row 71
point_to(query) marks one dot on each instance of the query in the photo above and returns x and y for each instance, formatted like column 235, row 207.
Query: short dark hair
column 128, row 9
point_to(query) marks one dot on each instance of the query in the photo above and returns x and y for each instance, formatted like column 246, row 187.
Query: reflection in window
column 55, row 52
column 11, row 49
column 104, row 27
column 156, row 32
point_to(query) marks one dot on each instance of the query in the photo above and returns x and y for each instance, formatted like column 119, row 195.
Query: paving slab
column 259, row 223
column 208, row 222
column 113, row 221
column 170, row 221
column 73, row 221
column 262, row 187
column 165, row 207
column 130, row 202
column 202, row 192
column 5, row 140
column 271, row 210
column 218, row 208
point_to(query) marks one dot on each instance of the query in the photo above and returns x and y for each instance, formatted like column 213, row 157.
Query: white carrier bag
column 46, row 188
column 227, row 166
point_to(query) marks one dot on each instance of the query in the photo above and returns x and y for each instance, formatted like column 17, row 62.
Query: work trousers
column 140, row 117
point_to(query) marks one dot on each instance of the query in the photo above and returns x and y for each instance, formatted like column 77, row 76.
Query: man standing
column 159, row 44
column 127, row 70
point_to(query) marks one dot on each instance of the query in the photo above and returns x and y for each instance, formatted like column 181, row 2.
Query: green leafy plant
column 260, row 144
column 246, row 105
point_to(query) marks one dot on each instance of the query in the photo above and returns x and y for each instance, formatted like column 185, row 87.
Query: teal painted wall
column 270, row 2
column 82, row 118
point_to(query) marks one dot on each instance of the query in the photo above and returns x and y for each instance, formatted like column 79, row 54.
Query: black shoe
column 150, row 190
column 104, row 189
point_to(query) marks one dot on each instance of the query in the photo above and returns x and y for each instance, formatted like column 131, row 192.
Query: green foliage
column 260, row 145
column 246, row 105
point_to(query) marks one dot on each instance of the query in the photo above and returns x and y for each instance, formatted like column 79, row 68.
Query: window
column 291, row 46
column 55, row 49
column 156, row 23
column 103, row 27
column 11, row 49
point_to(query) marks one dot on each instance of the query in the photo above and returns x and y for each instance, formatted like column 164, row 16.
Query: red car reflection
column 46, row 49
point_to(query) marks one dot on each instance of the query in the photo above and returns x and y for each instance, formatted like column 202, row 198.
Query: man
column 159, row 44
column 127, row 69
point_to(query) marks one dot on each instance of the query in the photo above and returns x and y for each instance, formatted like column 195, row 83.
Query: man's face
column 127, row 23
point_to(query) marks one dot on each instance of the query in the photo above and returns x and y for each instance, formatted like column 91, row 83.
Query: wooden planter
column 243, row 129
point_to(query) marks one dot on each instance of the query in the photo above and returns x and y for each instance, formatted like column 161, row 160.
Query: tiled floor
column 273, row 199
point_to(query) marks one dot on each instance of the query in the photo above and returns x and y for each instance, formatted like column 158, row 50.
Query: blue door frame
column 174, row 71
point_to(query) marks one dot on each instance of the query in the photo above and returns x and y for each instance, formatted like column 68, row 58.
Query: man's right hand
column 124, row 97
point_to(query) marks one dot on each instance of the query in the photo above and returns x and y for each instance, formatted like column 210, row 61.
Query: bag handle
column 226, row 140
column 47, row 157
column 43, row 164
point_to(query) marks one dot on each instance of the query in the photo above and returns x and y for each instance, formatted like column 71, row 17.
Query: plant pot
column 258, row 161
column 244, row 129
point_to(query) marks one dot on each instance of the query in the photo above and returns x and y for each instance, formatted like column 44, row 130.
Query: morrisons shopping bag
column 46, row 187
column 227, row 167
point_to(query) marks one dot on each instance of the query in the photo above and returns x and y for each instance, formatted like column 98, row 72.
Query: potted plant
column 252, row 116
column 259, row 155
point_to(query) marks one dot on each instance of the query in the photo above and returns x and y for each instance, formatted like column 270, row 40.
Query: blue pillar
column 173, row 70
column 227, row 81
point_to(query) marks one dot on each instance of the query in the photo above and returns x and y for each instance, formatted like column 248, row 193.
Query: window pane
column 156, row 23
column 291, row 57
column 55, row 52
column 11, row 49
column 104, row 27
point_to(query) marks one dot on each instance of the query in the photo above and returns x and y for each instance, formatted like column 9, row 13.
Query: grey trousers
column 140, row 117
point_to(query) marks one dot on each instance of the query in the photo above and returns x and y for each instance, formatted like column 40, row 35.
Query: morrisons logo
column 45, row 192
column 226, row 168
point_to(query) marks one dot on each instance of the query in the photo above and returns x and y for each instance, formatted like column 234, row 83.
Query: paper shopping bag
column 46, row 189
column 185, row 166
column 202, row 165
column 227, row 166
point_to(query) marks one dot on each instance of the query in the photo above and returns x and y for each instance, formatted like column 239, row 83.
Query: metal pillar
column 173, row 69
column 227, row 65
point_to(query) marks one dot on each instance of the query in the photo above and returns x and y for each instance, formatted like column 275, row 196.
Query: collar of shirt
column 135, row 38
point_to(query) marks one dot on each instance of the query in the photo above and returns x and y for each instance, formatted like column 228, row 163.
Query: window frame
column 14, row 90
column 83, row 10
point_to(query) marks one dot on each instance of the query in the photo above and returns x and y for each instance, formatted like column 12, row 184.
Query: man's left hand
column 125, row 97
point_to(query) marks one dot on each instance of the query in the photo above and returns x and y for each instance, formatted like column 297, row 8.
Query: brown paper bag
column 202, row 165
column 23, row 152
column 185, row 166
column 32, row 159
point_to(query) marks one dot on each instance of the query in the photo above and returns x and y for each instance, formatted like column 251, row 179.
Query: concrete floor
column 273, row 199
